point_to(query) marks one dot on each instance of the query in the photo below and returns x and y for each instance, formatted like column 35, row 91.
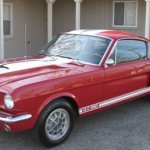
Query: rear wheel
column 55, row 123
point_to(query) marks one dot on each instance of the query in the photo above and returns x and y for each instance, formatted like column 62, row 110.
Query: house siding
column 33, row 13
column 95, row 14
column 98, row 14
column 63, row 16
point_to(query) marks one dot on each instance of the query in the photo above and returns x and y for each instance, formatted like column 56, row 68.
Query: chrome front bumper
column 15, row 119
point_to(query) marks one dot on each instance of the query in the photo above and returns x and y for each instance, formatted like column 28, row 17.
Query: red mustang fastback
column 77, row 74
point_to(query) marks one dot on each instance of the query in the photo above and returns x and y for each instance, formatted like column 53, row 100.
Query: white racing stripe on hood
column 33, row 63
column 87, row 32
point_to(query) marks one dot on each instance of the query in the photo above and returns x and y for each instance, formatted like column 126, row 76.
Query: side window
column 129, row 50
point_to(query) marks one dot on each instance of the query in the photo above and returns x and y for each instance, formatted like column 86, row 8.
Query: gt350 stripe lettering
column 113, row 101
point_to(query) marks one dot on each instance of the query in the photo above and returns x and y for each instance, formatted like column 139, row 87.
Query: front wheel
column 56, row 123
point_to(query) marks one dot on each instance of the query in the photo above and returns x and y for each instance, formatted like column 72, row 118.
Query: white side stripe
column 113, row 100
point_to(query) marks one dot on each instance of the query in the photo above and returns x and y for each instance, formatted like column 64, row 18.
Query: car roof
column 113, row 34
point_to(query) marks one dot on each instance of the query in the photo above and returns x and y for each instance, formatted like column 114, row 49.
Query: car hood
column 23, row 69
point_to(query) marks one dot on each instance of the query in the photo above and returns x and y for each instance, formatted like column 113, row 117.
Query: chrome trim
column 130, row 38
column 7, row 128
column 113, row 100
column 97, row 65
column 106, row 52
column 15, row 119
column 57, row 124
column 148, row 50
column 111, row 41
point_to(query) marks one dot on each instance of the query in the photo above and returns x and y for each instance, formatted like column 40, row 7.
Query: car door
column 129, row 72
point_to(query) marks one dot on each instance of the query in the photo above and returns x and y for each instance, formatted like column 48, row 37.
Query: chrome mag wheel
column 57, row 124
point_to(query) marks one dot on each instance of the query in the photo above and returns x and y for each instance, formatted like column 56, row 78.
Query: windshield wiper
column 68, row 57
column 2, row 66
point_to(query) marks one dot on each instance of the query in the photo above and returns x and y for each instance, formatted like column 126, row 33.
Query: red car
column 77, row 74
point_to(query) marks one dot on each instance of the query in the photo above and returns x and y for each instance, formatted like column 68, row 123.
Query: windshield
column 83, row 48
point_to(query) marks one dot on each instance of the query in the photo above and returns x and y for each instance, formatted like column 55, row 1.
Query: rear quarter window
column 130, row 50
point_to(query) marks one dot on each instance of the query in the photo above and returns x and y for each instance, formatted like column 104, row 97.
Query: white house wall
column 33, row 14
column 63, row 16
column 95, row 14
column 1, row 31
column 99, row 14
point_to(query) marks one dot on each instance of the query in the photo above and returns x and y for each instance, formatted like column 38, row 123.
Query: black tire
column 58, row 115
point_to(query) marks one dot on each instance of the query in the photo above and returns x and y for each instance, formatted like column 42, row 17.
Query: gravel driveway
column 126, row 127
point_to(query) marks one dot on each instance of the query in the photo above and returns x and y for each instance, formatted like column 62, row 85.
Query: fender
column 53, row 97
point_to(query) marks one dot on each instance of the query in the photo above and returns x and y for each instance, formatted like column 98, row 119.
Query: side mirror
column 109, row 62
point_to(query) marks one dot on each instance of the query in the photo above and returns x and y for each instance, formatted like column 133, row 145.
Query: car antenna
column 25, row 41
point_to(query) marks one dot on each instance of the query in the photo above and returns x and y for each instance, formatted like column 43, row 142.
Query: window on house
column 8, row 19
column 125, row 13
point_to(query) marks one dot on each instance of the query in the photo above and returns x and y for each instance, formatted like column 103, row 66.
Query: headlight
column 8, row 101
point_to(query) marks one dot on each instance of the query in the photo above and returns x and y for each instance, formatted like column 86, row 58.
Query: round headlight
column 8, row 101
